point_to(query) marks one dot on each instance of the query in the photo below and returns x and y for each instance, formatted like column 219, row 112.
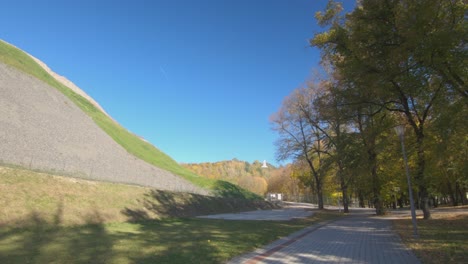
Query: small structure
column 264, row 164
column 273, row 197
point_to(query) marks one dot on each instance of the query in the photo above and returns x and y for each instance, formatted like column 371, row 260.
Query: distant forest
column 254, row 178
column 250, row 176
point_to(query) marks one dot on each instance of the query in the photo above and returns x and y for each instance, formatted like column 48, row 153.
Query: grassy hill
column 132, row 143
column 30, row 195
column 67, row 220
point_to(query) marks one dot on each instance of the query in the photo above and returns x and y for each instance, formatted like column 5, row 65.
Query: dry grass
column 54, row 219
column 26, row 194
column 442, row 239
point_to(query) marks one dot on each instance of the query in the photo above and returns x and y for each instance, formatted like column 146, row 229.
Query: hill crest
column 134, row 146
column 42, row 128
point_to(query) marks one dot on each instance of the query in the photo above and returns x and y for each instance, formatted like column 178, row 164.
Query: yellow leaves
column 324, row 38
column 246, row 175
column 330, row 14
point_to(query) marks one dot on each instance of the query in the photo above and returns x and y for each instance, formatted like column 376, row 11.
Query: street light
column 400, row 130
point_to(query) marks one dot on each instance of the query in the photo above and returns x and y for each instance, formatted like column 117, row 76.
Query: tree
column 299, row 138
column 398, row 50
column 448, row 152
column 331, row 119
column 292, row 180
column 248, row 176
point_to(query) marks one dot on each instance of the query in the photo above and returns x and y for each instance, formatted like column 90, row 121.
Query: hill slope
column 131, row 143
column 27, row 196
column 41, row 128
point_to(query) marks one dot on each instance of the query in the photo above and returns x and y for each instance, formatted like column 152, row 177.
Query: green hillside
column 132, row 143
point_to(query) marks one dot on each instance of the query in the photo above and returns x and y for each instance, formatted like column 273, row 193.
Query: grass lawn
column 53, row 219
column 25, row 193
column 181, row 240
column 443, row 239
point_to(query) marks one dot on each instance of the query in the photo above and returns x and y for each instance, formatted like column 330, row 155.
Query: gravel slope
column 40, row 128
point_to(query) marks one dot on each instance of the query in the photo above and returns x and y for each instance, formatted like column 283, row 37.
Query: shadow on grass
column 161, row 241
column 45, row 241
column 205, row 241
column 441, row 240
column 183, row 240
column 168, row 204
column 169, row 241
column 228, row 190
column 44, row 237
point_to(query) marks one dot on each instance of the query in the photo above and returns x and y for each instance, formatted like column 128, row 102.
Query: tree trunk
column 344, row 188
column 361, row 199
column 435, row 203
column 459, row 192
column 400, row 202
column 377, row 200
column 464, row 199
column 318, row 184
column 417, row 200
column 319, row 194
column 452, row 194
column 344, row 192
column 420, row 179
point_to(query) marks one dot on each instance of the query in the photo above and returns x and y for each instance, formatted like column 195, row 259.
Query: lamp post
column 400, row 130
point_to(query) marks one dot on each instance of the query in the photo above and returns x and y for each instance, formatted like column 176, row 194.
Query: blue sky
column 198, row 79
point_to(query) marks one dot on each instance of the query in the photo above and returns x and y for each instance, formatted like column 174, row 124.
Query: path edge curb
column 267, row 250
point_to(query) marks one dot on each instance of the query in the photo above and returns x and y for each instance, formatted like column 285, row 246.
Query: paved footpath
column 288, row 212
column 353, row 239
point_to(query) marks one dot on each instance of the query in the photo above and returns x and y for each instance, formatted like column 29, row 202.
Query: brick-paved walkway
column 354, row 239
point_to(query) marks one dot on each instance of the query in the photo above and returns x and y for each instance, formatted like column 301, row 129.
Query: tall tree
column 299, row 139
column 448, row 155
column 398, row 49
column 332, row 120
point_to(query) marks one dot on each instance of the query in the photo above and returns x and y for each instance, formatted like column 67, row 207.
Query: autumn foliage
column 250, row 176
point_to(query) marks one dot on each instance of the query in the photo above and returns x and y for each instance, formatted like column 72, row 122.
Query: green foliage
column 323, row 37
column 132, row 143
column 399, row 62
column 330, row 15
column 385, row 63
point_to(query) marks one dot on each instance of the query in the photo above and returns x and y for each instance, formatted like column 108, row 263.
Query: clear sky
column 198, row 79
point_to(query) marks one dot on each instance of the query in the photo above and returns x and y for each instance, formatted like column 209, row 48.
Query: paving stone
column 353, row 239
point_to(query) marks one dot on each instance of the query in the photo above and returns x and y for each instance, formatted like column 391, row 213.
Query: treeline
column 250, row 176
column 386, row 64
column 287, row 180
